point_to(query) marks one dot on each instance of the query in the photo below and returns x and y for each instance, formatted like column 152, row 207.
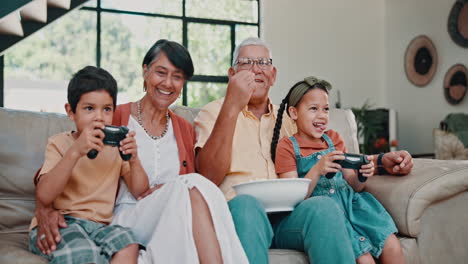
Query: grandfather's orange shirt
column 251, row 158
column 91, row 189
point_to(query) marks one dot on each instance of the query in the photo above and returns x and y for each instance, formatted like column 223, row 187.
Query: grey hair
column 252, row 41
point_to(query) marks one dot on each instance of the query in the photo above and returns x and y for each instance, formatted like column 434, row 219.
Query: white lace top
column 159, row 158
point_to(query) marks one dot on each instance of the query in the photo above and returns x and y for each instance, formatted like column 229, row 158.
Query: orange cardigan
column 183, row 130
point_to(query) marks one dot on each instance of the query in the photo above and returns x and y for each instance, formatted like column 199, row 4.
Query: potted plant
column 372, row 126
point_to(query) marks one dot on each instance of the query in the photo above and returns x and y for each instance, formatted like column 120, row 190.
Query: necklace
column 141, row 123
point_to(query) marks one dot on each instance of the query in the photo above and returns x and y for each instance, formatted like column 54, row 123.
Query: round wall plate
column 420, row 61
column 458, row 23
column 455, row 84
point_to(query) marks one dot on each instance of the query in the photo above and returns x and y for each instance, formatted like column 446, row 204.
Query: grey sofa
column 430, row 206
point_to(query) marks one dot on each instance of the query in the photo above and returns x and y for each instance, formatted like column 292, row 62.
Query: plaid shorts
column 85, row 241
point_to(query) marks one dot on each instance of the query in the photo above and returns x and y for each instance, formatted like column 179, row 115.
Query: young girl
column 311, row 153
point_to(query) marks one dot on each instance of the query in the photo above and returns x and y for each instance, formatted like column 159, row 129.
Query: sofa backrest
column 341, row 120
column 23, row 137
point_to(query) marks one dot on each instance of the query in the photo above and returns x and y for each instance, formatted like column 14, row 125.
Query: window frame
column 185, row 20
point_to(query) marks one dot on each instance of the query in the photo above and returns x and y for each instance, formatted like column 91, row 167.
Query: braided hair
column 306, row 85
column 279, row 122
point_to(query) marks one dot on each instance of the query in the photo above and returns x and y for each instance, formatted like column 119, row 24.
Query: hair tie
column 302, row 87
column 311, row 80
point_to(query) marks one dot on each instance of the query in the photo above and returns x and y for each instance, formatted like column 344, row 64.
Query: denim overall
column 367, row 221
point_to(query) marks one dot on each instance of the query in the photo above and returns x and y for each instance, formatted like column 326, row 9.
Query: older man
column 233, row 146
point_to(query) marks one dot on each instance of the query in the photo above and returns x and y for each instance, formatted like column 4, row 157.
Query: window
column 115, row 35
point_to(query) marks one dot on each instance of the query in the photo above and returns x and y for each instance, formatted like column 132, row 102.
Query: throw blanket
column 457, row 123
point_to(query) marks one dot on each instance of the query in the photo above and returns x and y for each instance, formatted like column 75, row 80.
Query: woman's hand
column 129, row 146
column 49, row 221
column 150, row 191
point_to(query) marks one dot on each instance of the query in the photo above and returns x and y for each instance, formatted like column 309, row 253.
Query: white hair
column 252, row 41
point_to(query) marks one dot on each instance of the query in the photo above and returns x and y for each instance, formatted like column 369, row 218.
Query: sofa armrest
column 407, row 197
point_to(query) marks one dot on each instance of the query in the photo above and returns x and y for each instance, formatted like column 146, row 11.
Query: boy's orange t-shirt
column 285, row 160
column 91, row 189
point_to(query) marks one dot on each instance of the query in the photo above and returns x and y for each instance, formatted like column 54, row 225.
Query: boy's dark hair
column 176, row 53
column 293, row 98
column 90, row 79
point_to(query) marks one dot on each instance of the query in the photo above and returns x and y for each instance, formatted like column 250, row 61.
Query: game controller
column 113, row 136
column 351, row 161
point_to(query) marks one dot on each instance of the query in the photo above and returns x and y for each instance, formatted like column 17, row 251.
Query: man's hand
column 240, row 88
column 397, row 162
column 49, row 221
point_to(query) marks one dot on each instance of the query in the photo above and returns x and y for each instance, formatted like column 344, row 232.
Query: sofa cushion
column 281, row 256
column 448, row 146
column 14, row 249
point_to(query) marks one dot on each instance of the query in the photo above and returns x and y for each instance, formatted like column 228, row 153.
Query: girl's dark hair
column 176, row 53
column 90, row 79
column 285, row 105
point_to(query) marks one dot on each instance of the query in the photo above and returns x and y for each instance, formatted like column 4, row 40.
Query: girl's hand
column 367, row 170
column 90, row 138
column 326, row 163
column 128, row 145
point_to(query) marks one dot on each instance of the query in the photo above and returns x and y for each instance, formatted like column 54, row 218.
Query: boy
column 84, row 189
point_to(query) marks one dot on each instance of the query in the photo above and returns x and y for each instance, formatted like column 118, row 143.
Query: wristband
column 380, row 168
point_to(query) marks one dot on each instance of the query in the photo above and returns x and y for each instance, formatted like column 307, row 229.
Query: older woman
column 183, row 218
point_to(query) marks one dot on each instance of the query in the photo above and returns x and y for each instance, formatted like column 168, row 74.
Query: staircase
column 21, row 18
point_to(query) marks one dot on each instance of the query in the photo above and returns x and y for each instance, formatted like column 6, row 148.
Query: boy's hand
column 129, row 146
column 367, row 170
column 90, row 138
column 326, row 163
column 150, row 191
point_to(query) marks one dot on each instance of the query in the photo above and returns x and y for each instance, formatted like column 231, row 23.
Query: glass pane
column 245, row 11
column 210, row 48
column 37, row 69
column 201, row 93
column 243, row 32
column 91, row 3
column 125, row 41
column 167, row 7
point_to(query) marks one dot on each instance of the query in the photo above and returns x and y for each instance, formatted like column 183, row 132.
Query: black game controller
column 351, row 161
column 113, row 136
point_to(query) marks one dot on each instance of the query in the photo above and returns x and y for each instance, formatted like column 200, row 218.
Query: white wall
column 340, row 41
column 419, row 109
column 359, row 47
